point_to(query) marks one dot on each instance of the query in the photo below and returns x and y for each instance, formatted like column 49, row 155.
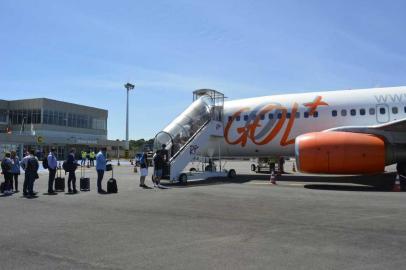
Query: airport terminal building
column 44, row 123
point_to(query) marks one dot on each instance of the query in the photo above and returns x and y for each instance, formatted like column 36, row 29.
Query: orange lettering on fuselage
column 249, row 131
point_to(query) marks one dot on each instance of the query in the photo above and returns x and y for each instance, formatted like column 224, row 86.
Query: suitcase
column 84, row 181
column 2, row 187
column 112, row 183
column 59, row 180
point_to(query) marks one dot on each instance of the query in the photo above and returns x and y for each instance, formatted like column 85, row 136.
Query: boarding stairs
column 189, row 134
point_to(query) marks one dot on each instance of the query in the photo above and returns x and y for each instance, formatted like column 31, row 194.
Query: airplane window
column 238, row 118
column 306, row 114
column 362, row 112
column 316, row 114
column 262, row 116
column 382, row 110
column 230, row 118
column 270, row 116
column 394, row 110
column 372, row 111
column 253, row 117
column 245, row 117
column 297, row 114
column 343, row 112
column 353, row 112
column 279, row 115
column 288, row 115
column 334, row 113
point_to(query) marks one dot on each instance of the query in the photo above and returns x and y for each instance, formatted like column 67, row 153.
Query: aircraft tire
column 232, row 174
column 183, row 179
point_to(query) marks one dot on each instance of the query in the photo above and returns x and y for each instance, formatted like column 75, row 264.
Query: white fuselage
column 268, row 126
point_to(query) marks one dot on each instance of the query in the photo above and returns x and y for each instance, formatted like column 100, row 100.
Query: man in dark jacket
column 72, row 166
column 6, row 167
column 31, row 172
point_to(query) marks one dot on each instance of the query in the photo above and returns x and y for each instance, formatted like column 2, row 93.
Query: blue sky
column 84, row 51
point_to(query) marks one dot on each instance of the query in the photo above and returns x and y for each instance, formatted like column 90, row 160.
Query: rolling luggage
column 84, row 181
column 59, row 180
column 112, row 183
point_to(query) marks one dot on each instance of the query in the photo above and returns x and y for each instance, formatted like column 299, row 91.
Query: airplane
column 332, row 132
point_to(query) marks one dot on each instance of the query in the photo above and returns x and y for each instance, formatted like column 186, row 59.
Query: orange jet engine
column 340, row 153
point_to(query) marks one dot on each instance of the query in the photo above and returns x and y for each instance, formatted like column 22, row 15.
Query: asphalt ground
column 303, row 222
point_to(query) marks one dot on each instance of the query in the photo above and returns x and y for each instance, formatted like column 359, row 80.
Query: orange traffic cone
column 293, row 167
column 396, row 186
column 272, row 178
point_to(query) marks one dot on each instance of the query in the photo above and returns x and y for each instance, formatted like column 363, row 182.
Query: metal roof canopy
column 217, row 97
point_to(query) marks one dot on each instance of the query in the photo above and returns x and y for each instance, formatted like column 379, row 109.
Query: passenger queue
column 11, row 168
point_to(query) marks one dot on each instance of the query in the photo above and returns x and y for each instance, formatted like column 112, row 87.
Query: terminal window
column 3, row 116
column 18, row 117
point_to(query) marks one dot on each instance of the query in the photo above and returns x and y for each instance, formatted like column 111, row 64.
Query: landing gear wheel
column 253, row 167
column 401, row 170
column 183, row 179
column 232, row 174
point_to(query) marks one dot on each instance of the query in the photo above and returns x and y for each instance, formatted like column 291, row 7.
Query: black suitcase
column 112, row 183
column 2, row 187
column 84, row 181
column 59, row 180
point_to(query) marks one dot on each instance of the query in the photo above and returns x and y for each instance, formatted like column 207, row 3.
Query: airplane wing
column 394, row 132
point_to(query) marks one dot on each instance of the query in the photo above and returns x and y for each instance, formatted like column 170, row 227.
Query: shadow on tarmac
column 370, row 183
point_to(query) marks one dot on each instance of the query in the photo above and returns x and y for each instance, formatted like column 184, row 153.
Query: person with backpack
column 51, row 164
column 31, row 172
column 158, row 167
column 71, row 166
column 143, row 169
column 6, row 168
column 15, row 170
column 101, row 168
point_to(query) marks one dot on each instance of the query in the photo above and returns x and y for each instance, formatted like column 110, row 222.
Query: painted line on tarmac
column 267, row 183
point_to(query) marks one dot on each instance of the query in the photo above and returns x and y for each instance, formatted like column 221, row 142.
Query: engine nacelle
column 340, row 153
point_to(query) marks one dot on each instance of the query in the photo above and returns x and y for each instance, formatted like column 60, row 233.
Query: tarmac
column 303, row 222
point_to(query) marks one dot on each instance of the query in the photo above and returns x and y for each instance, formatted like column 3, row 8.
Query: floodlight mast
column 129, row 87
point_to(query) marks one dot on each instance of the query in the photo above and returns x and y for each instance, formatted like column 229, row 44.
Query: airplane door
column 382, row 113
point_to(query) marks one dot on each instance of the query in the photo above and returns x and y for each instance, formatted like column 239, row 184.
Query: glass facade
column 59, row 118
column 3, row 116
column 17, row 117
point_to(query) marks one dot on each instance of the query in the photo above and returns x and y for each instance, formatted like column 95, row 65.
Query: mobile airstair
column 187, row 137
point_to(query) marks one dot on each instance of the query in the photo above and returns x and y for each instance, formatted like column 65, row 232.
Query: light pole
column 129, row 87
